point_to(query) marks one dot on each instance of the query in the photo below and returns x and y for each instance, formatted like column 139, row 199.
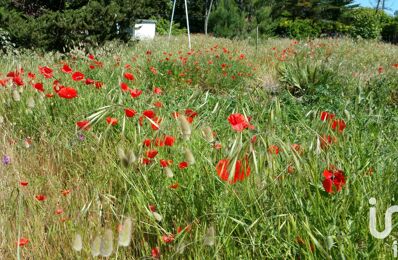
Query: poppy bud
column 210, row 237
column 185, row 127
column 77, row 243
column 189, row 156
column 157, row 216
column 106, row 247
column 16, row 96
column 30, row 102
column 168, row 172
column 96, row 246
column 208, row 134
column 125, row 233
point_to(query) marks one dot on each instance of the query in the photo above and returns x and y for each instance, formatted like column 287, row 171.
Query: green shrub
column 299, row 28
column 366, row 22
column 6, row 45
column 390, row 33
column 163, row 27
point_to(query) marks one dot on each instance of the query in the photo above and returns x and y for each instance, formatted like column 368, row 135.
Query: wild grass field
column 226, row 151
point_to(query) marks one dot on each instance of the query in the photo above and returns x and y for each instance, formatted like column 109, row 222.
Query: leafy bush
column 299, row 28
column 366, row 22
column 5, row 41
column 163, row 27
column 390, row 33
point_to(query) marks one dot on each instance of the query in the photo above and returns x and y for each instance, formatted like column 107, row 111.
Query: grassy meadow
column 226, row 151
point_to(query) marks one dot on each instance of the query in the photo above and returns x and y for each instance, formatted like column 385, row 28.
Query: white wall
column 144, row 31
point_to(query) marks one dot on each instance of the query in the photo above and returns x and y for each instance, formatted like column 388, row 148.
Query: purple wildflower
column 6, row 160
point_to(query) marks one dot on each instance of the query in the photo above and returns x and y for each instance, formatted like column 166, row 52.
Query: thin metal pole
column 172, row 17
column 189, row 34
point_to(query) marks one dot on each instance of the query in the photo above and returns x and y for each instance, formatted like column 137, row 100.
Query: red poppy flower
column 152, row 208
column 174, row 186
column 124, row 86
column 67, row 93
column 327, row 140
column 217, row 146
column 66, row 69
column 164, row 163
column 149, row 113
column 151, row 154
column 128, row 76
column 39, row 87
column 158, row 104
column 98, row 84
column 41, row 197
column 89, row 81
column 146, row 161
column 340, row 123
column 297, row 148
column 77, row 76
column 333, row 178
column 31, row 75
column 153, row 70
column 22, row 241
column 239, row 122
column 157, row 91
column 182, row 165
column 135, row 93
column 159, row 142
column 156, row 123
column 273, row 149
column 84, row 125
column 168, row 238
column 326, row 116
column 130, row 112
column 155, row 252
column 91, row 56
column 46, row 72
column 59, row 211
column 242, row 170
column 190, row 113
column 380, row 70
column 111, row 121
column 18, row 81
column 23, row 183
column 147, row 142
column 65, row 192
column 169, row 140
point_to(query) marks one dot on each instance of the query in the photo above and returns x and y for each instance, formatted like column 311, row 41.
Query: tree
column 227, row 20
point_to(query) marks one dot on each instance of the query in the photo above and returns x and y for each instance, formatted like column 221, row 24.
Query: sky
column 390, row 4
